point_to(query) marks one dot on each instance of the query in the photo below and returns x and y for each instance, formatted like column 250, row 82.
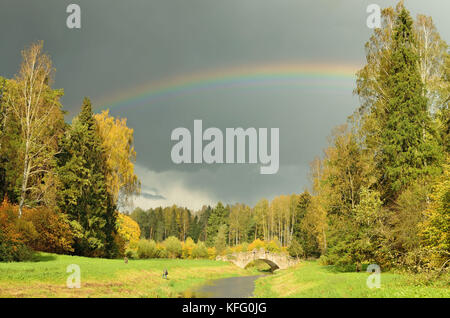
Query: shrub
column 187, row 248
column 324, row 260
column 162, row 252
column 256, row 244
column 239, row 248
column 200, row 250
column 274, row 246
column 295, row 249
column 15, row 233
column 212, row 253
column 11, row 251
column 131, row 254
column 147, row 249
column 53, row 231
column 227, row 251
column 173, row 247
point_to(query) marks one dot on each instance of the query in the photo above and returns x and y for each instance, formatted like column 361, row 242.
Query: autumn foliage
column 47, row 230
column 436, row 227
column 54, row 233
column 129, row 230
column 15, row 233
column 40, row 229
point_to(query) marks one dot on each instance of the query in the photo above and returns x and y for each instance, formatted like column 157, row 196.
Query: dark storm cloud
column 151, row 193
column 152, row 196
column 123, row 44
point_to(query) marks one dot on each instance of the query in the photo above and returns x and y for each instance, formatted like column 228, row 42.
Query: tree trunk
column 24, row 181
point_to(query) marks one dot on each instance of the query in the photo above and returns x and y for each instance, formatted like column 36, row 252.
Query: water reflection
column 232, row 287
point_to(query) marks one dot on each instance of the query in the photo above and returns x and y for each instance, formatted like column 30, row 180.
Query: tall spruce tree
column 409, row 148
column 218, row 217
column 84, row 196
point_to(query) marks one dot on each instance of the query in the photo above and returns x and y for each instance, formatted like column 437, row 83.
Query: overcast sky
column 127, row 44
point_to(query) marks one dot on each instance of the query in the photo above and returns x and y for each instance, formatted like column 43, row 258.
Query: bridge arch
column 273, row 265
column 275, row 260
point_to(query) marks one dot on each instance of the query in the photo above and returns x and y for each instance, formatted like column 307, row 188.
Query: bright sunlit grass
column 309, row 279
column 47, row 277
column 108, row 278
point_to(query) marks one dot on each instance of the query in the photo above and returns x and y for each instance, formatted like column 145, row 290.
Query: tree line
column 237, row 223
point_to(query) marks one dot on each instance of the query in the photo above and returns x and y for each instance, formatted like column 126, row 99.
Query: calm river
column 232, row 287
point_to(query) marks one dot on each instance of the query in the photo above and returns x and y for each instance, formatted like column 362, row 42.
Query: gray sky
column 127, row 44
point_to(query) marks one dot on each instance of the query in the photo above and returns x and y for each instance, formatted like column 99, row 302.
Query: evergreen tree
column 409, row 148
column 203, row 223
column 195, row 228
column 220, row 241
column 84, row 197
column 302, row 236
column 218, row 217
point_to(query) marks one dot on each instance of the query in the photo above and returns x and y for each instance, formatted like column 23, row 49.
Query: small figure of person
column 165, row 273
column 125, row 260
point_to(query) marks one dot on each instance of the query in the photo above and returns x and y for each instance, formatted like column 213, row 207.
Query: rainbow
column 302, row 74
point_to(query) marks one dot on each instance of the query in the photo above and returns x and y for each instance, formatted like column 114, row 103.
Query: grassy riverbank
column 142, row 278
column 309, row 279
column 108, row 278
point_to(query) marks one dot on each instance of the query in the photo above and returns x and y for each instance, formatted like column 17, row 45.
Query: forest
column 380, row 193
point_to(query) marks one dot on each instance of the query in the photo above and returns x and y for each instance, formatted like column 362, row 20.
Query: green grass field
column 108, row 278
column 142, row 278
column 309, row 279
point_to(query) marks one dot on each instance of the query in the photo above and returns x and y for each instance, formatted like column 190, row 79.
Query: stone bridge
column 275, row 260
